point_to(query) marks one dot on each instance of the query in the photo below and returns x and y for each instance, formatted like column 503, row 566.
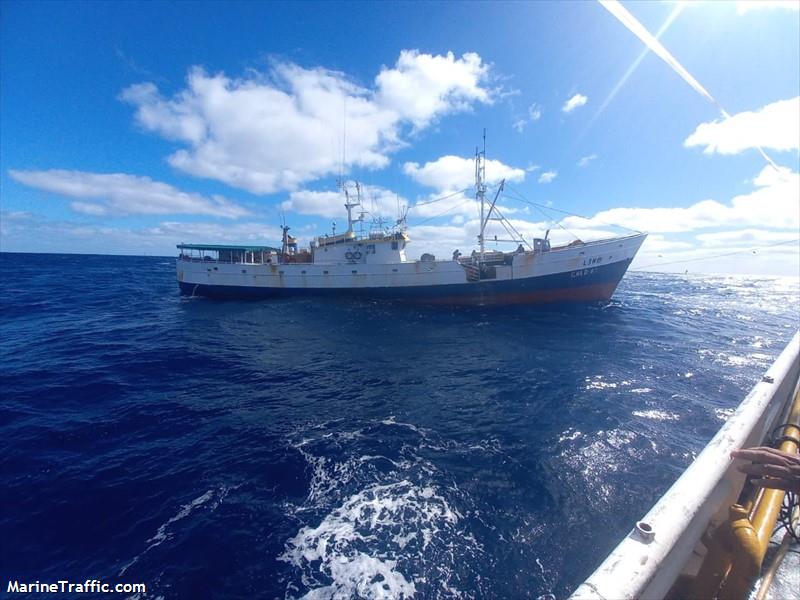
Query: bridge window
column 394, row 245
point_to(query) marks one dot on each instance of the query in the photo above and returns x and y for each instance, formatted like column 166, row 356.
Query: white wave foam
column 656, row 415
column 364, row 577
column 723, row 414
column 607, row 453
column 212, row 497
column 569, row 435
column 328, row 476
column 356, row 548
column 185, row 511
column 597, row 383
column 736, row 360
column 391, row 420
column 386, row 529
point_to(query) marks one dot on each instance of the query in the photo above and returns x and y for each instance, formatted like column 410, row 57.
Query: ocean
column 338, row 449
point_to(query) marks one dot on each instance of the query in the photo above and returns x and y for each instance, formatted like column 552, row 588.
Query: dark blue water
column 351, row 449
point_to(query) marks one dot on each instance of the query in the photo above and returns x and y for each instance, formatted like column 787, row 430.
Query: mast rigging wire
column 520, row 198
column 464, row 201
column 540, row 208
column 675, row 262
column 437, row 199
column 507, row 224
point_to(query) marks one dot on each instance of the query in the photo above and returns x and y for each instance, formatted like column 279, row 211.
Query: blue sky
column 129, row 127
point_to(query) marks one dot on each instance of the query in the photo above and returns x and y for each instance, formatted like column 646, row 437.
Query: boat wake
column 377, row 525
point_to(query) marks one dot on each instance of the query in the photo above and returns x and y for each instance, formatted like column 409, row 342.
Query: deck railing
column 646, row 564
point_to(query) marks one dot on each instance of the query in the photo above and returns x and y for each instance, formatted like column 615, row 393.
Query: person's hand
column 771, row 468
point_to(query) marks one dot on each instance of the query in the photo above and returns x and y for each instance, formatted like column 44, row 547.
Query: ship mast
column 480, row 189
column 480, row 196
column 351, row 204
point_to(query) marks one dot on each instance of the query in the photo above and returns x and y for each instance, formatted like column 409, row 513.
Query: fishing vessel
column 374, row 264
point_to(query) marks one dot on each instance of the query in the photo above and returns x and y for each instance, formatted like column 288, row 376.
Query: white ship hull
column 578, row 272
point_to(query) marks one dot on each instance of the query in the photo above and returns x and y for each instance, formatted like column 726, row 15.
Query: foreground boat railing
column 648, row 561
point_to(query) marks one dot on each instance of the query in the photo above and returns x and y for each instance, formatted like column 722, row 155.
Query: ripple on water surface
column 338, row 449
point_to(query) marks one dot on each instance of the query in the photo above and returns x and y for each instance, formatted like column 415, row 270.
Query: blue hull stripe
column 596, row 283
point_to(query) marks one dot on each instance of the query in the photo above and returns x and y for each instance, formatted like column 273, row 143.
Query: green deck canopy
column 223, row 247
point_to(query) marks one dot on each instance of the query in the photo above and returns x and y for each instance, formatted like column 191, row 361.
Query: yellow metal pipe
column 737, row 547
column 752, row 539
column 769, row 505
column 745, row 555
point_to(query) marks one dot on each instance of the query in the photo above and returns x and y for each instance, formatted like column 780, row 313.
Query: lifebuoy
column 348, row 255
column 356, row 254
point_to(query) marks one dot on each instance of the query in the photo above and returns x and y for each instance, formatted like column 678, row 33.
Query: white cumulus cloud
column 375, row 200
column 121, row 194
column 745, row 6
column 584, row 162
column 276, row 131
column 547, row 176
column 750, row 237
column 775, row 126
column 421, row 87
column 450, row 176
column 451, row 173
column 772, row 204
column 574, row 102
column 534, row 114
column 308, row 202
column 25, row 232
